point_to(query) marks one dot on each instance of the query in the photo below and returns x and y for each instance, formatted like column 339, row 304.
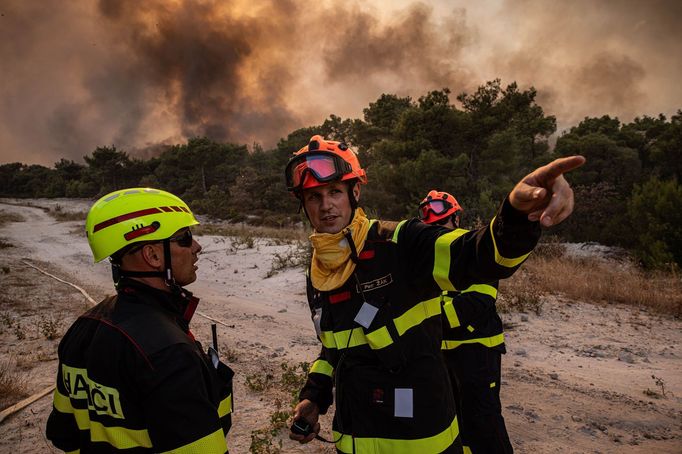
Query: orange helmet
column 320, row 162
column 438, row 206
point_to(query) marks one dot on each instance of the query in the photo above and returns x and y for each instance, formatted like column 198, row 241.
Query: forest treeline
column 628, row 194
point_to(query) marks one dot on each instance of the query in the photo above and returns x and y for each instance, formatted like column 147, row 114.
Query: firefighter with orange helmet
column 131, row 377
column 473, row 344
column 440, row 208
column 374, row 290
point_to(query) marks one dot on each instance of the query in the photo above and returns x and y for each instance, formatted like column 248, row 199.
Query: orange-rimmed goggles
column 323, row 166
column 436, row 206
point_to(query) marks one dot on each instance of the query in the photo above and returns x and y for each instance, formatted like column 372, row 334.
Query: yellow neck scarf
column 331, row 264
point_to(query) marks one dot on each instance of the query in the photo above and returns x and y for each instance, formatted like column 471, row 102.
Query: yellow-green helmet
column 133, row 215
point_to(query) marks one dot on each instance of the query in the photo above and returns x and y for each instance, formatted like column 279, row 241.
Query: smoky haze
column 79, row 74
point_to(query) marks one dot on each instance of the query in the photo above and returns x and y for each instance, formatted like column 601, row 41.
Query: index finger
column 562, row 165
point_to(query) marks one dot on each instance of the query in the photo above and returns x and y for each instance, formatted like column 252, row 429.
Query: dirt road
column 577, row 378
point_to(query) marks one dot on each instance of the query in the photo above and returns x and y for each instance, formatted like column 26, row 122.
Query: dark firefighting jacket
column 132, row 378
column 381, row 331
column 470, row 317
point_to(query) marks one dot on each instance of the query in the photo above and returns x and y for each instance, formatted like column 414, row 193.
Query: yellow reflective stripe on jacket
column 118, row 437
column 210, row 444
column 122, row 438
column 394, row 238
column 327, row 339
column 466, row 450
column 322, row 367
column 482, row 288
column 340, row 339
column 492, row 341
column 225, row 406
column 437, row 443
column 450, row 313
column 77, row 451
column 379, row 338
column 417, row 314
column 441, row 260
column 509, row 263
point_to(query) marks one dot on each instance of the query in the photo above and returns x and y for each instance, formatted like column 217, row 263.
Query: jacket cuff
column 317, row 396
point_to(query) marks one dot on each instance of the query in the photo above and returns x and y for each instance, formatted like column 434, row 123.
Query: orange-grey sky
column 77, row 74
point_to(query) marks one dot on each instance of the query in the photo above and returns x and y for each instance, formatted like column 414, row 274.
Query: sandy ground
column 578, row 377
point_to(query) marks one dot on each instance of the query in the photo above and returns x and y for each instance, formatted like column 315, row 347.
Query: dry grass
column 249, row 231
column 6, row 217
column 13, row 385
column 297, row 255
column 65, row 216
column 595, row 280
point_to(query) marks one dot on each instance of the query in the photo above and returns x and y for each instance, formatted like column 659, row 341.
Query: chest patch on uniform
column 375, row 284
column 339, row 297
column 366, row 255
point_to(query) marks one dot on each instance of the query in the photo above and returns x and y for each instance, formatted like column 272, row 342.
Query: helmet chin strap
column 166, row 274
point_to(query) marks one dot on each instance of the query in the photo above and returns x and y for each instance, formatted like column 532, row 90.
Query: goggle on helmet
column 135, row 215
column 438, row 206
column 321, row 162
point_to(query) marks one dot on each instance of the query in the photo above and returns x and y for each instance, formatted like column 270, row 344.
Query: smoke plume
column 80, row 74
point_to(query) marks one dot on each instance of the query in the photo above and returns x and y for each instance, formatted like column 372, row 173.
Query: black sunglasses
column 184, row 239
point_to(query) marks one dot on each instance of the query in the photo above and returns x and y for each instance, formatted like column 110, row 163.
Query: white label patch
column 375, row 284
column 366, row 315
column 403, row 403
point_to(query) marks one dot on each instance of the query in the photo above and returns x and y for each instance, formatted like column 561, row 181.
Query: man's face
column 184, row 258
column 328, row 206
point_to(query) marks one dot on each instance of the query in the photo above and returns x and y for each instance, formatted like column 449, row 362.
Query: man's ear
column 356, row 192
column 152, row 255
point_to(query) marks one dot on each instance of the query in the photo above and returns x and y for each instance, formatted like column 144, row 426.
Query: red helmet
column 320, row 162
column 438, row 206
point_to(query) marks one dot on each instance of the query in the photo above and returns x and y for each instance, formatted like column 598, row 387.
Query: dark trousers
column 475, row 372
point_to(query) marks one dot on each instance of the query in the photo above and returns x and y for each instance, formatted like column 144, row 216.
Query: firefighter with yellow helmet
column 131, row 376
column 374, row 292
column 473, row 344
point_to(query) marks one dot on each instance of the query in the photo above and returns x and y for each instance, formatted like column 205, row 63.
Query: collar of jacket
column 182, row 304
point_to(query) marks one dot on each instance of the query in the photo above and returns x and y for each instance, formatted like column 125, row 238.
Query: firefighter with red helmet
column 374, row 290
column 131, row 377
column 473, row 344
